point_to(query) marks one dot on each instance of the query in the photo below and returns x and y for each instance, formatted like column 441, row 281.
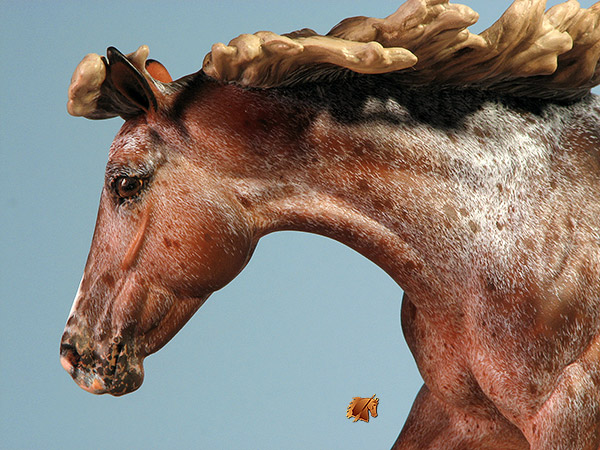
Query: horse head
column 164, row 240
column 372, row 405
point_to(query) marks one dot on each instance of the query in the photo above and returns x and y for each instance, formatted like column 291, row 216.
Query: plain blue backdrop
column 269, row 362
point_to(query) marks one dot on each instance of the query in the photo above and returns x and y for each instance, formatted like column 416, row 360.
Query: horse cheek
column 201, row 260
column 221, row 258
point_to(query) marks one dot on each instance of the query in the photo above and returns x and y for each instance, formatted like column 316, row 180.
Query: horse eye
column 128, row 187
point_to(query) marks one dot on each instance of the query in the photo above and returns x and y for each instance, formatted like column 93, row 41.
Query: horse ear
column 117, row 85
column 158, row 71
column 130, row 83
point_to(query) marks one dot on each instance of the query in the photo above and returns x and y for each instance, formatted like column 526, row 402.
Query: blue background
column 269, row 362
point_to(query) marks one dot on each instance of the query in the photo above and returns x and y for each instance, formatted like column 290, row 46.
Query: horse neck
column 413, row 197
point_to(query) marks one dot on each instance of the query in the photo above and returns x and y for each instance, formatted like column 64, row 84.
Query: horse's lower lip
column 117, row 382
column 89, row 382
column 119, row 385
column 96, row 386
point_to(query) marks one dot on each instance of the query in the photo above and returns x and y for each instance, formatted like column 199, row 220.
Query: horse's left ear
column 117, row 85
column 130, row 83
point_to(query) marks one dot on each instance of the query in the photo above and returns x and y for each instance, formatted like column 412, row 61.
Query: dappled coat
column 466, row 166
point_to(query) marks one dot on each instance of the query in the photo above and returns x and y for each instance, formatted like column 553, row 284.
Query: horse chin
column 126, row 382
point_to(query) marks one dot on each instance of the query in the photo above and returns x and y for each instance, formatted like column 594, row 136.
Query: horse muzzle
column 110, row 369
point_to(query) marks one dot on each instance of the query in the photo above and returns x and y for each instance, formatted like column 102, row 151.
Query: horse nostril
column 69, row 357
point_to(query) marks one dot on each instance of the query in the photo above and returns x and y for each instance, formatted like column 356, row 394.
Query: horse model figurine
column 467, row 166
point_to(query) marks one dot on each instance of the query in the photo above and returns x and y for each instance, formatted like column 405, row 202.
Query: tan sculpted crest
column 431, row 37
column 552, row 54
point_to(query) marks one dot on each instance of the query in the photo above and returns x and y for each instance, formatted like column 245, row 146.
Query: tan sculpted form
column 429, row 36
column 432, row 38
column 465, row 166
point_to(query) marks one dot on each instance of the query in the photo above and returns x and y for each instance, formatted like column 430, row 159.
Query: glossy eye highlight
column 128, row 187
